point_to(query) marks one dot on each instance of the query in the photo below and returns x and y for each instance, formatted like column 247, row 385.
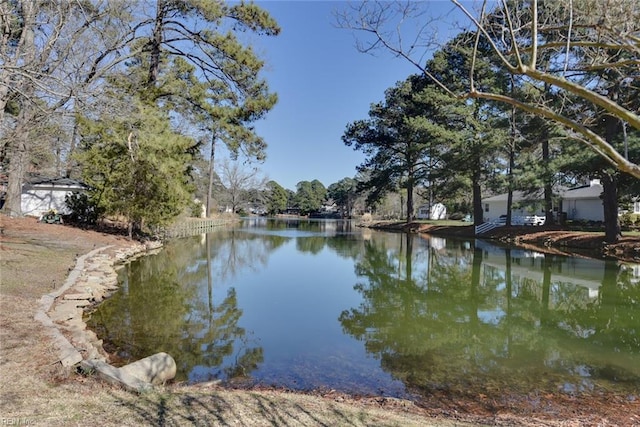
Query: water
column 325, row 305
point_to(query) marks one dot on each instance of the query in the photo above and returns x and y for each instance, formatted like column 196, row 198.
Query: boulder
column 155, row 369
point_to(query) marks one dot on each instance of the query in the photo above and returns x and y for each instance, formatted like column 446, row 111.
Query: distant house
column 436, row 211
column 579, row 203
column 40, row 195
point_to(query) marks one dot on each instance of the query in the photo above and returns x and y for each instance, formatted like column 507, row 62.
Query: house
column 436, row 211
column 40, row 195
column 579, row 203
column 584, row 203
column 522, row 205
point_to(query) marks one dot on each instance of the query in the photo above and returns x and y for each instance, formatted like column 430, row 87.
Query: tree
column 309, row 196
column 220, row 89
column 516, row 31
column 136, row 166
column 238, row 183
column 185, row 57
column 52, row 55
column 421, row 136
column 393, row 148
column 275, row 198
column 344, row 194
column 539, row 151
column 474, row 128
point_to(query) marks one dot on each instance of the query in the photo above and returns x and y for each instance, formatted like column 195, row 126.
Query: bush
column 196, row 209
column 629, row 220
column 83, row 210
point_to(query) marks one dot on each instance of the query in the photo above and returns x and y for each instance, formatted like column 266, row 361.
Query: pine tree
column 136, row 166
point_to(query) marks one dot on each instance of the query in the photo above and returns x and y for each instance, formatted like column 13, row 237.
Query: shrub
column 83, row 210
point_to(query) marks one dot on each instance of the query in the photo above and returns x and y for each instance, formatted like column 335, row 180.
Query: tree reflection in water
column 158, row 309
column 465, row 322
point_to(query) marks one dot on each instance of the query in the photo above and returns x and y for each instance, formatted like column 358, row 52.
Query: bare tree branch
column 607, row 33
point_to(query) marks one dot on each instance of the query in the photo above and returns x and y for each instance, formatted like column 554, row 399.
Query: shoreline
column 546, row 239
column 42, row 390
column 62, row 312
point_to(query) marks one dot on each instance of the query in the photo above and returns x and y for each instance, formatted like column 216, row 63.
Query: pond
column 323, row 304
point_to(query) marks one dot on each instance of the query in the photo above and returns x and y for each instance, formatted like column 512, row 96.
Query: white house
column 437, row 211
column 579, row 203
column 584, row 202
column 40, row 195
column 528, row 204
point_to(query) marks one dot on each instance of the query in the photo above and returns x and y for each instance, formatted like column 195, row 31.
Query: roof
column 517, row 197
column 592, row 191
column 54, row 182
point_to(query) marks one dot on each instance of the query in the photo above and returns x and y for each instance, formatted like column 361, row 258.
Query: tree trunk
column 512, row 163
column 548, row 175
column 512, row 159
column 72, row 148
column 17, row 167
column 18, row 162
column 478, row 211
column 18, row 140
column 155, row 46
column 410, row 200
column 211, row 171
column 610, row 189
column 610, row 205
column 548, row 185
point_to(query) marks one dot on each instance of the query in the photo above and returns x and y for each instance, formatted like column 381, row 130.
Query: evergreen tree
column 217, row 84
column 275, row 198
column 344, row 194
column 136, row 166
column 524, row 37
column 396, row 139
column 474, row 153
column 309, row 196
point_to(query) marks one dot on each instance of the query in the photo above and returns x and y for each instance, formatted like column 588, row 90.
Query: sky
column 323, row 84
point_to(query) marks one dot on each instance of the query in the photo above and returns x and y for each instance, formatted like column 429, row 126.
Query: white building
column 40, row 195
column 584, row 202
column 437, row 211
column 579, row 203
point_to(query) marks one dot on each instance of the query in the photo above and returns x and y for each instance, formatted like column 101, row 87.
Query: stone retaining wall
column 61, row 312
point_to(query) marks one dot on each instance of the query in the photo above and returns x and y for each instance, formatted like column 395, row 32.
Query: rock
column 155, row 369
column 115, row 375
column 65, row 311
column 69, row 356
column 85, row 296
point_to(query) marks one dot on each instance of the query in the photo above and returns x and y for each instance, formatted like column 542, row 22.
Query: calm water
column 322, row 304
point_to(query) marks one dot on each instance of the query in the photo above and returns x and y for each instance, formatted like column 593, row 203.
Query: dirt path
column 36, row 258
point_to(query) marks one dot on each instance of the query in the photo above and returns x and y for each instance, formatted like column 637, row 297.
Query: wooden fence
column 195, row 226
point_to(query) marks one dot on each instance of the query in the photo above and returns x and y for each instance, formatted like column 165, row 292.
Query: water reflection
column 161, row 307
column 322, row 304
column 481, row 319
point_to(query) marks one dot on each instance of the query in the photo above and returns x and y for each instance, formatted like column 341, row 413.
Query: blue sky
column 323, row 83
